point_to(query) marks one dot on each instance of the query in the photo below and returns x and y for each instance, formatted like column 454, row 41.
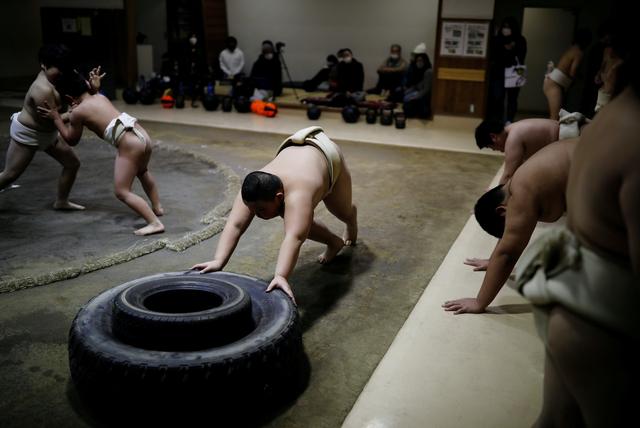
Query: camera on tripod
column 280, row 47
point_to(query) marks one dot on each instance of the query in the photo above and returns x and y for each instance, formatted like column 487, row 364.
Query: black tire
column 242, row 104
column 371, row 116
column 180, row 101
column 130, row 96
column 350, row 114
column 227, row 104
column 386, row 117
column 210, row 102
column 313, row 112
column 257, row 368
column 183, row 312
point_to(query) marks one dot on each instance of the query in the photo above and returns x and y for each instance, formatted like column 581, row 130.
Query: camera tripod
column 280, row 49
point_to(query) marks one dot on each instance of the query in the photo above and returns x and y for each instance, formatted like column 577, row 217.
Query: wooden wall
column 214, row 15
column 460, row 83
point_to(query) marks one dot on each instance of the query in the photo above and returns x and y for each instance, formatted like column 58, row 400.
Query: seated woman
column 324, row 78
column 266, row 72
column 416, row 98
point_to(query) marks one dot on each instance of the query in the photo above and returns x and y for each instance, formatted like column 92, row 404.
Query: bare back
column 41, row 90
column 608, row 158
column 96, row 112
column 532, row 135
column 543, row 179
column 303, row 170
column 570, row 60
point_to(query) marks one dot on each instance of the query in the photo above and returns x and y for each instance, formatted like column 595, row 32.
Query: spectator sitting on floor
column 324, row 78
column 350, row 80
column 417, row 89
column 266, row 73
column 390, row 72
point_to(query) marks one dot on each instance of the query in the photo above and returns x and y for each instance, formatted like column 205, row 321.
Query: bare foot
column 67, row 206
column 351, row 234
column 159, row 211
column 331, row 252
column 150, row 229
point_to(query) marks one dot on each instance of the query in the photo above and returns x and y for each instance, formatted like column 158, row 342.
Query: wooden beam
column 131, row 51
column 462, row 74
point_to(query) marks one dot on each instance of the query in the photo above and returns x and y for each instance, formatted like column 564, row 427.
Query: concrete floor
column 412, row 204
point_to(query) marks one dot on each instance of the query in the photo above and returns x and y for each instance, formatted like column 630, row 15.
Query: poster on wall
column 476, row 38
column 452, row 39
column 464, row 39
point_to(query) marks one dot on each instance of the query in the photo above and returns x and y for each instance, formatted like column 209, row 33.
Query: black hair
column 582, row 38
column 332, row 59
column 425, row 58
column 231, row 39
column 513, row 24
column 486, row 214
column 73, row 84
column 345, row 50
column 483, row 139
column 55, row 55
column 395, row 45
column 267, row 42
column 260, row 186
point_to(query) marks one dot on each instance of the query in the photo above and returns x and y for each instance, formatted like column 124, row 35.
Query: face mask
column 394, row 56
column 347, row 59
column 506, row 31
column 268, row 56
column 420, row 64
column 193, row 40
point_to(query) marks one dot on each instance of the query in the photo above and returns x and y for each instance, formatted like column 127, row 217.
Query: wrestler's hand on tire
column 463, row 306
column 281, row 283
column 478, row 264
column 212, row 266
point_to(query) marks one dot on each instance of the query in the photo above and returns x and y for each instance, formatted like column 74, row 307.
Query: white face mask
column 268, row 56
column 394, row 56
column 193, row 40
column 347, row 59
column 506, row 31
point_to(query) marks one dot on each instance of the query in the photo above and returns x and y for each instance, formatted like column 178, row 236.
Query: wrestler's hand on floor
column 47, row 111
column 463, row 306
column 281, row 283
column 212, row 266
column 478, row 264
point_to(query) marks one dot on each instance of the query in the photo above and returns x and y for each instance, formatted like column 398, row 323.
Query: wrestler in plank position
column 510, row 212
column 122, row 131
column 308, row 168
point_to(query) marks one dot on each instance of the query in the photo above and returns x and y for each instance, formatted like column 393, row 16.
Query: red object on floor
column 264, row 109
